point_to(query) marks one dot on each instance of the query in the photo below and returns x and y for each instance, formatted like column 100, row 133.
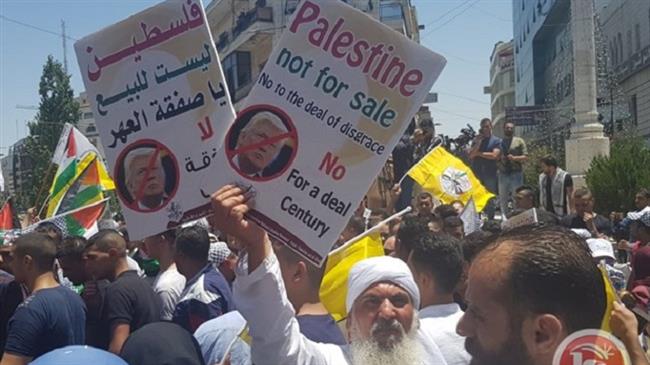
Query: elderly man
column 382, row 301
column 145, row 178
column 261, row 127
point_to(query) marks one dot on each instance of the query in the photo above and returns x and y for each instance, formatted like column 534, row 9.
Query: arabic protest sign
column 160, row 102
column 333, row 99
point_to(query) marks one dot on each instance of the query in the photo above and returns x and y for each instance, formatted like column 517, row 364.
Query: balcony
column 247, row 25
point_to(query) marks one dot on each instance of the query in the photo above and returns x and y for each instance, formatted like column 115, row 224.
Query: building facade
column 543, row 51
column 502, row 84
column 86, row 124
column 245, row 31
column 626, row 26
column 16, row 167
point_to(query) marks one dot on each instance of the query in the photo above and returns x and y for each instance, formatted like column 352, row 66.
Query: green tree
column 614, row 180
column 57, row 107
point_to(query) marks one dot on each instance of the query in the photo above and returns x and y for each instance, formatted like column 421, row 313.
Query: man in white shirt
column 437, row 265
column 169, row 283
column 382, row 301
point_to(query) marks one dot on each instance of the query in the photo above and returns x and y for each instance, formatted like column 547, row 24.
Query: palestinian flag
column 79, row 222
column 81, row 177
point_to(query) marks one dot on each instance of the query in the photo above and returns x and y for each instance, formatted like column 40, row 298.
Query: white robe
column 261, row 298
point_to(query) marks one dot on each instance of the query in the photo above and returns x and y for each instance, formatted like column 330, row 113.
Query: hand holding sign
column 230, row 205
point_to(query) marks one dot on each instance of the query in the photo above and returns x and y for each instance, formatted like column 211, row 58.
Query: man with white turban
column 382, row 301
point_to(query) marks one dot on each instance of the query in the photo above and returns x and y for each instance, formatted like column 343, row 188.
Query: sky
column 464, row 31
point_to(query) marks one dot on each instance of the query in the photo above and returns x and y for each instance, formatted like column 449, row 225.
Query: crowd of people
column 222, row 291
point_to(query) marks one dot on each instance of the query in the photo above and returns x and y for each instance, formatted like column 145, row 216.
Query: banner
column 162, row 108
column 334, row 97
column 447, row 178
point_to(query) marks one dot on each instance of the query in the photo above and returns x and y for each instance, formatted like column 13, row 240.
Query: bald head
column 288, row 258
column 39, row 247
column 571, row 287
column 107, row 239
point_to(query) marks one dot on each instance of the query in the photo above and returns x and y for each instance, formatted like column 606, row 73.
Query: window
column 88, row 115
column 620, row 48
column 390, row 11
column 629, row 43
column 633, row 109
column 237, row 69
column 637, row 31
column 91, row 129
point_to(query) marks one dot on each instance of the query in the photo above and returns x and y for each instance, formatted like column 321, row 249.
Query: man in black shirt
column 129, row 302
column 585, row 217
column 52, row 316
column 555, row 188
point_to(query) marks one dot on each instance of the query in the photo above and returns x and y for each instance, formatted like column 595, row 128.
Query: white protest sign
column 162, row 108
column 525, row 218
column 332, row 100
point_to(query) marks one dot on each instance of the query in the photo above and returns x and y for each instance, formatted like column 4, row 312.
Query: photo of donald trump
column 257, row 154
column 145, row 178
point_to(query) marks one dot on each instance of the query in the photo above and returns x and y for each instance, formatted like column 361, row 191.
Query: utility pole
column 65, row 49
column 587, row 140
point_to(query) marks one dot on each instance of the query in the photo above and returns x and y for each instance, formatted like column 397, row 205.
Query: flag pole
column 40, row 191
column 373, row 228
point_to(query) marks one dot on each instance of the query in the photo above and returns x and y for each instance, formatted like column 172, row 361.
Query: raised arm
column 259, row 291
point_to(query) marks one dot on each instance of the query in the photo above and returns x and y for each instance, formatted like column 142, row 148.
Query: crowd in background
column 221, row 291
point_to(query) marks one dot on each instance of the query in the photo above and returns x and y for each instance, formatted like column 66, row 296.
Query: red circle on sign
column 262, row 143
column 168, row 165
column 591, row 347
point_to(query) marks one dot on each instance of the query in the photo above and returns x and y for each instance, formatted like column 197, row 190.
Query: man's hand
column 624, row 245
column 395, row 192
column 623, row 323
column 230, row 204
column 624, row 326
column 588, row 218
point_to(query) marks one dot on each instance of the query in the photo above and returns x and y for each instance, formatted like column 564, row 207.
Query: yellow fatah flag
column 447, row 178
column 334, row 287
column 610, row 293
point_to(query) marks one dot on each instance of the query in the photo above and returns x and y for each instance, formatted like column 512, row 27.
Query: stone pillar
column 587, row 140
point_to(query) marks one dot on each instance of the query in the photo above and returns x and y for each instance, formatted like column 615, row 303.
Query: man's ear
column 300, row 272
column 28, row 261
column 542, row 334
column 113, row 253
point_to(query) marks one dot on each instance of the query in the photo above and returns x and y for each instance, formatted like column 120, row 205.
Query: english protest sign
column 333, row 99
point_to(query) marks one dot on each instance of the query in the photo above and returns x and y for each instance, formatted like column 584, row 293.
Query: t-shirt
column 321, row 328
column 548, row 204
column 402, row 157
column 511, row 146
column 130, row 300
column 482, row 167
column 11, row 295
column 603, row 225
column 169, row 285
column 48, row 319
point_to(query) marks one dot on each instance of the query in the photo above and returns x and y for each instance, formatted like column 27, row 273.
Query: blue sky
column 464, row 31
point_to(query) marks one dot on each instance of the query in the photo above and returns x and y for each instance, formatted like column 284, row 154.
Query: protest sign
column 162, row 108
column 526, row 218
column 333, row 99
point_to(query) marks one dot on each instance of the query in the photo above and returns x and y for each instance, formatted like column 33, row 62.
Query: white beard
column 367, row 351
